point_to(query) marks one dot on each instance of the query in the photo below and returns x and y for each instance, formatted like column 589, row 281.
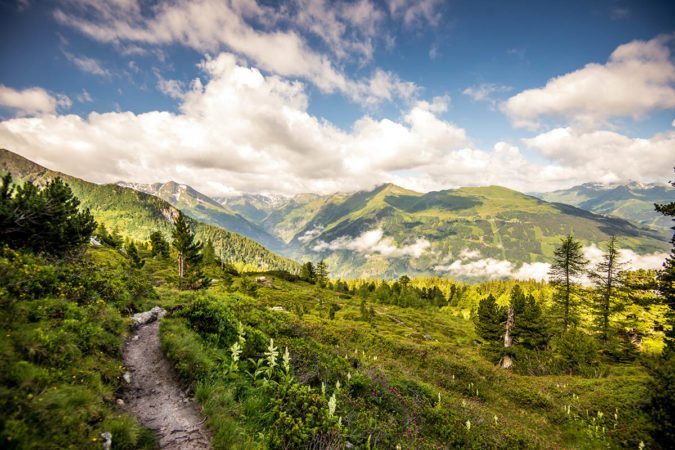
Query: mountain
column 254, row 207
column 137, row 214
column 632, row 201
column 462, row 233
column 207, row 210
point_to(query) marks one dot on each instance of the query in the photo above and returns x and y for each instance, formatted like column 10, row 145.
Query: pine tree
column 607, row 283
column 209, row 253
column 160, row 247
column 568, row 264
column 44, row 219
column 530, row 329
column 322, row 273
column 132, row 254
column 667, row 277
column 190, row 275
column 307, row 272
column 489, row 320
column 663, row 384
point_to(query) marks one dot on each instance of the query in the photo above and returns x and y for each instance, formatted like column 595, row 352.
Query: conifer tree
column 44, row 219
column 322, row 273
column 489, row 320
column 208, row 253
column 160, row 247
column 568, row 264
column 663, row 385
column 607, row 283
column 307, row 272
column 190, row 275
column 132, row 254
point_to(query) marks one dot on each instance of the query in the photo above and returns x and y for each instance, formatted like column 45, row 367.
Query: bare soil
column 155, row 395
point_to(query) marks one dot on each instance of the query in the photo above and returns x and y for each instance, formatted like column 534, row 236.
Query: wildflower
column 323, row 388
column 349, row 376
column 496, row 419
column 337, row 385
column 286, row 361
column 332, row 404
column 468, row 425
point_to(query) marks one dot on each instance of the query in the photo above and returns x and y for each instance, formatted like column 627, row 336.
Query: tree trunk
column 506, row 361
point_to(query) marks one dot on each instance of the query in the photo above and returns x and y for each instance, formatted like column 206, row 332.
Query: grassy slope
column 137, row 214
column 501, row 223
column 405, row 358
column 630, row 202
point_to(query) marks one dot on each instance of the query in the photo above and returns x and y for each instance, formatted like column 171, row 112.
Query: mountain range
column 471, row 232
column 631, row 201
column 136, row 214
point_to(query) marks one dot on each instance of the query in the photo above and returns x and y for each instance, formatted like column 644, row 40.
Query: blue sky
column 429, row 94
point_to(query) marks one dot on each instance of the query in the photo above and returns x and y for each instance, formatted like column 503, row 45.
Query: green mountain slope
column 137, row 214
column 632, row 201
column 207, row 210
column 390, row 230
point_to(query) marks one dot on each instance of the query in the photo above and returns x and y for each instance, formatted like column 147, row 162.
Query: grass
column 393, row 369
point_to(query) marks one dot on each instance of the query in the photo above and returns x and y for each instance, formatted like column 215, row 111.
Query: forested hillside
column 390, row 230
column 136, row 215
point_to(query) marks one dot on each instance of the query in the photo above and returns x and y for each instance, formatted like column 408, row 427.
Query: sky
column 322, row 96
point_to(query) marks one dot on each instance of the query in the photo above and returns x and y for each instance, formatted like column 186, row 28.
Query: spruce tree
column 663, row 384
column 44, row 219
column 607, row 283
column 132, row 254
column 190, row 275
column 489, row 320
column 160, row 247
column 209, row 253
column 568, row 264
column 307, row 272
column 322, row 273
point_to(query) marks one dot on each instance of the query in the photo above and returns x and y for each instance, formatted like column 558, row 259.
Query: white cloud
column 32, row 101
column 172, row 88
column 637, row 78
column 241, row 131
column 485, row 92
column 310, row 234
column 416, row 13
column 210, row 25
column 374, row 242
column 471, row 265
column 88, row 65
column 607, row 156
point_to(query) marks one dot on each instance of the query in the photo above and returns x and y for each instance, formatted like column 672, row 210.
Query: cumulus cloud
column 607, row 156
column 374, row 242
column 32, row 101
column 241, row 131
column 276, row 44
column 638, row 78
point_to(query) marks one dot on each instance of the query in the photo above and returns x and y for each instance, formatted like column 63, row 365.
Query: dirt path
column 155, row 395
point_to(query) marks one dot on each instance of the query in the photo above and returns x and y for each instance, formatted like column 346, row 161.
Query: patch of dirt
column 155, row 395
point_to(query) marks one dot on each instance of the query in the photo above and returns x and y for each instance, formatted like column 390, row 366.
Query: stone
column 146, row 317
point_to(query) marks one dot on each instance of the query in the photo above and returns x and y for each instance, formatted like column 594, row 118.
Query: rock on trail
column 154, row 393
